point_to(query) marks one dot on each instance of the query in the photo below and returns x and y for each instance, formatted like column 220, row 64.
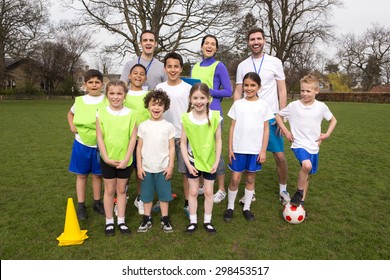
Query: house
column 21, row 72
column 79, row 75
column 381, row 89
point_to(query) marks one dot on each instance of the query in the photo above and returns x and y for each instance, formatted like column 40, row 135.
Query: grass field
column 348, row 200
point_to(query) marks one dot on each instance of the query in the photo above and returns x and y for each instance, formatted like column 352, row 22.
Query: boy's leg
column 81, row 185
column 303, row 179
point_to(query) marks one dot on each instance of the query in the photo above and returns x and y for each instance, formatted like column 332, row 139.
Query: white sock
column 282, row 188
column 194, row 219
column 207, row 218
column 248, row 199
column 231, row 198
column 110, row 221
column 121, row 220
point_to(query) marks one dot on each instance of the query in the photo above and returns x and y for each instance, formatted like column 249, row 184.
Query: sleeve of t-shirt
column 232, row 111
column 279, row 72
column 268, row 115
column 140, row 131
column 285, row 112
column 125, row 73
column 239, row 74
column 327, row 113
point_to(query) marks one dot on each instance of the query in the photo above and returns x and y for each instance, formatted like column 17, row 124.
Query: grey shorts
column 181, row 166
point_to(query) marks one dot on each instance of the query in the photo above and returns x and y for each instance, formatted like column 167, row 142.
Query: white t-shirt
column 249, row 128
column 271, row 70
column 90, row 100
column 179, row 96
column 305, row 123
column 155, row 149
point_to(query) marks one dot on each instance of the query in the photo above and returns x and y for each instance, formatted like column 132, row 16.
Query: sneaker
column 242, row 200
column 166, row 227
column 284, row 197
column 82, row 213
column 187, row 211
column 109, row 230
column 201, row 190
column 296, row 199
column 209, row 228
column 248, row 215
column 191, row 228
column 140, row 205
column 124, row 229
column 145, row 225
column 219, row 196
column 156, row 207
column 228, row 215
column 98, row 207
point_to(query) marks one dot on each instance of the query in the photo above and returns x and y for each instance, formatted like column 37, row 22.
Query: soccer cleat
column 242, row 199
column 201, row 190
column 284, row 197
column 209, row 228
column 219, row 196
column 187, row 211
column 228, row 215
column 248, row 215
column 99, row 208
column 145, row 225
column 82, row 213
column 296, row 199
column 156, row 207
column 140, row 205
column 166, row 227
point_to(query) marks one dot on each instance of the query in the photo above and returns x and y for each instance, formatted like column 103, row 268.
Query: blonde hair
column 203, row 88
column 116, row 83
column 311, row 79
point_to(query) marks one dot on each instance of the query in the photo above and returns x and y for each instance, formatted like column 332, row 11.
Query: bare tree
column 366, row 57
column 21, row 26
column 293, row 23
column 177, row 23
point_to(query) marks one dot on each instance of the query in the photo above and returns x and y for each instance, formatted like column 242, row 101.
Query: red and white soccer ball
column 293, row 214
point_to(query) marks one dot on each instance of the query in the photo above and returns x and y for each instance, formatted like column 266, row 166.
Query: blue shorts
column 84, row 160
column 134, row 164
column 245, row 162
column 155, row 183
column 205, row 175
column 301, row 154
column 275, row 141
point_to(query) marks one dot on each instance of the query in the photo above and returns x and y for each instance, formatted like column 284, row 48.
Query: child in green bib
column 116, row 133
column 201, row 147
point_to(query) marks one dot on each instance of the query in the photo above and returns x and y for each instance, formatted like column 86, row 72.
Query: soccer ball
column 293, row 214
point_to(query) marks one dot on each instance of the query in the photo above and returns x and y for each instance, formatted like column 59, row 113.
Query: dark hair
column 145, row 32
column 92, row 73
column 203, row 88
column 137, row 65
column 209, row 36
column 174, row 56
column 159, row 96
column 253, row 76
column 255, row 30
column 117, row 83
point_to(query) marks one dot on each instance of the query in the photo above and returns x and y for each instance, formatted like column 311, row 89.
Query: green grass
column 347, row 201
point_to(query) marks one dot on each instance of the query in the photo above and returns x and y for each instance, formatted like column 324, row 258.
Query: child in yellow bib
column 116, row 133
column 201, row 147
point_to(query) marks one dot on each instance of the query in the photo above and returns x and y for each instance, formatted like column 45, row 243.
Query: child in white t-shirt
column 305, row 117
column 248, row 139
column 155, row 159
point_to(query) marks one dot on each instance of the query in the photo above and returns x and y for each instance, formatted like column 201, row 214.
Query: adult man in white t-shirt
column 273, row 91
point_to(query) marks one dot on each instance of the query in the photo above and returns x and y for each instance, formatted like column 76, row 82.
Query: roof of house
column 381, row 88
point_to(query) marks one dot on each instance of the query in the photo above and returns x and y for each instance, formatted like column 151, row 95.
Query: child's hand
column 122, row 164
column 73, row 129
column 231, row 156
column 192, row 170
column 168, row 173
column 322, row 137
column 289, row 136
column 141, row 173
column 214, row 168
column 111, row 162
column 262, row 157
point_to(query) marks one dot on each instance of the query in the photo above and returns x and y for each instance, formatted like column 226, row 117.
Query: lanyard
column 261, row 63
column 147, row 67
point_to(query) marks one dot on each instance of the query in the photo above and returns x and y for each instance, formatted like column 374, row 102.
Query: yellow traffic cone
column 72, row 234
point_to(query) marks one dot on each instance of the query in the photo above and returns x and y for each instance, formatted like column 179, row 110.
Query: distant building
column 22, row 71
column 380, row 89
column 80, row 78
